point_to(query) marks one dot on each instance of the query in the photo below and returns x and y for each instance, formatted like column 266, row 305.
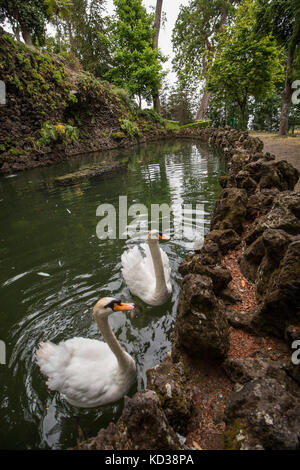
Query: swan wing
column 84, row 370
column 138, row 271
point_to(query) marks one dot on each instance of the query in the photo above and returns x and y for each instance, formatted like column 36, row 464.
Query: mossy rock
column 97, row 171
column 234, row 435
column 168, row 381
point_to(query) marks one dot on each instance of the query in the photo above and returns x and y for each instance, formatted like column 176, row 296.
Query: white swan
column 148, row 277
column 88, row 372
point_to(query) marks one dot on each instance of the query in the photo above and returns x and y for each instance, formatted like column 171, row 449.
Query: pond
column 53, row 269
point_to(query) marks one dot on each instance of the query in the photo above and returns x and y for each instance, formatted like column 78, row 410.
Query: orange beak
column 163, row 237
column 123, row 306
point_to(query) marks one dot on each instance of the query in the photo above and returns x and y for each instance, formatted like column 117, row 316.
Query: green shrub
column 17, row 83
column 118, row 135
column 72, row 98
column 71, row 60
column 151, row 115
column 121, row 94
column 51, row 133
column 57, row 75
column 129, row 127
column 14, row 152
column 172, row 126
column 89, row 83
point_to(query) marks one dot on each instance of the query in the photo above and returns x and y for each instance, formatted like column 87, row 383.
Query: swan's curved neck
column 111, row 340
column 158, row 265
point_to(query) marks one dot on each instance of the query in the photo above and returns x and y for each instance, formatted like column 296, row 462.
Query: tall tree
column 245, row 66
column 179, row 105
column 157, row 23
column 195, row 37
column 58, row 10
column 136, row 63
column 282, row 19
column 28, row 18
column 89, row 39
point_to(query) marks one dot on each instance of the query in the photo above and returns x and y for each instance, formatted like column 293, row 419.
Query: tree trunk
column 156, row 104
column 70, row 33
column 157, row 22
column 287, row 93
column 17, row 31
column 245, row 116
column 58, row 33
column 204, row 103
column 26, row 36
column 203, row 106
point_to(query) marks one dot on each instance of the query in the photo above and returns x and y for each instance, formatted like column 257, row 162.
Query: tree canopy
column 282, row 19
column 244, row 65
column 136, row 64
column 239, row 58
column 195, row 38
column 28, row 18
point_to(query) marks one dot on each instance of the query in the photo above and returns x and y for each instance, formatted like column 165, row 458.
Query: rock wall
column 257, row 195
column 229, row 381
column 256, row 221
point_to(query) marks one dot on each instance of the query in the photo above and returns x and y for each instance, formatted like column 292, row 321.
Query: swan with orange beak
column 88, row 372
column 148, row 277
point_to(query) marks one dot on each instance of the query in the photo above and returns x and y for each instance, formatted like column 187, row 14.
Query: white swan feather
column 86, row 371
column 139, row 274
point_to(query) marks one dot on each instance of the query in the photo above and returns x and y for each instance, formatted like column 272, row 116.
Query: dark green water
column 50, row 229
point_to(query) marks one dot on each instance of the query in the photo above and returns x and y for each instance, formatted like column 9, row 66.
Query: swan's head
column 156, row 235
column 108, row 305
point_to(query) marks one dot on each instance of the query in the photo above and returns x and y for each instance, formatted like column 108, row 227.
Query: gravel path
column 284, row 148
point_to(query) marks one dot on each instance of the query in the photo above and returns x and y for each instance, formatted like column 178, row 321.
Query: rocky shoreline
column 229, row 381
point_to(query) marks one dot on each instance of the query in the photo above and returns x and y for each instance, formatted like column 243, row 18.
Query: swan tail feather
column 52, row 360
column 45, row 351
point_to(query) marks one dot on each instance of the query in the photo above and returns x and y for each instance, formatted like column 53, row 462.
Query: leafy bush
column 129, row 127
column 118, row 135
column 119, row 92
column 123, row 95
column 58, row 77
column 71, row 60
column 172, row 125
column 152, row 115
column 63, row 132
column 89, row 83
